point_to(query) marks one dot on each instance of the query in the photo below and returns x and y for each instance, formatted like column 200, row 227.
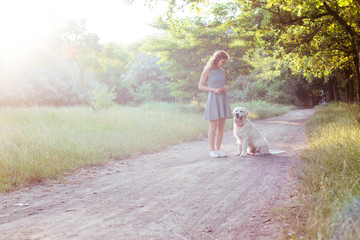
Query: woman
column 217, row 107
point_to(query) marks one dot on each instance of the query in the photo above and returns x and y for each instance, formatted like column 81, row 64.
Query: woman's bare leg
column 213, row 125
column 220, row 132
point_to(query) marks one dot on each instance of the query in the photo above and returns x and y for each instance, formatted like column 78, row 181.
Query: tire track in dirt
column 179, row 193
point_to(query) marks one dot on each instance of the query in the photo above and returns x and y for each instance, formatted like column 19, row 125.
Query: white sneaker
column 214, row 154
column 221, row 153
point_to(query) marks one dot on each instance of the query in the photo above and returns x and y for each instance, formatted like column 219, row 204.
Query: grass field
column 329, row 191
column 40, row 142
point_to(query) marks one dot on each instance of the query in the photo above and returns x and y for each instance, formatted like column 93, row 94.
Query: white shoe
column 221, row 153
column 214, row 154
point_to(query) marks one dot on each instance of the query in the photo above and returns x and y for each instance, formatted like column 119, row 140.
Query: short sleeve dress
column 217, row 105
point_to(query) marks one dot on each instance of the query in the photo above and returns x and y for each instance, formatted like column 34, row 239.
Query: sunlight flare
column 23, row 26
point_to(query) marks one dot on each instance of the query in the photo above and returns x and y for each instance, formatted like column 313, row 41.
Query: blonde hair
column 215, row 58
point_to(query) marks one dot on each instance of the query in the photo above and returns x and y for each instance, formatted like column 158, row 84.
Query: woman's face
column 222, row 62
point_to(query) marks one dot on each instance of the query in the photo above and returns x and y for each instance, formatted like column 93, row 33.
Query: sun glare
column 24, row 23
column 22, row 27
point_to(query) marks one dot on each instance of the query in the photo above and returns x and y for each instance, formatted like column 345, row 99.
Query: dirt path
column 179, row 193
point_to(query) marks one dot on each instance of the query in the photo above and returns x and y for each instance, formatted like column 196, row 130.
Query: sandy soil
column 180, row 193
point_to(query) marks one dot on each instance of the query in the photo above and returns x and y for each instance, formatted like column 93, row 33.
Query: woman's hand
column 217, row 90
column 221, row 90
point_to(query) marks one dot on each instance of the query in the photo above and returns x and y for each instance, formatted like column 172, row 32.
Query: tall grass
column 329, row 193
column 40, row 143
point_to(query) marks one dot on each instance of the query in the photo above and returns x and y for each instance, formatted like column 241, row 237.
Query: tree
column 81, row 46
column 50, row 75
column 190, row 43
column 147, row 80
column 114, row 59
column 325, row 33
column 323, row 36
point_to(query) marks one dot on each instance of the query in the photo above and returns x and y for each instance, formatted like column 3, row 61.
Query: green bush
column 103, row 97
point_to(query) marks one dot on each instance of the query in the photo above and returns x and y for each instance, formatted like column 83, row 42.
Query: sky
column 25, row 22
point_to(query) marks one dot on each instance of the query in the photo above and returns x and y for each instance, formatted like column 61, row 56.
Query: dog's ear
column 246, row 112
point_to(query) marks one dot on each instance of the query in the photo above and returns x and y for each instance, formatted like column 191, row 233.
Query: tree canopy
column 317, row 39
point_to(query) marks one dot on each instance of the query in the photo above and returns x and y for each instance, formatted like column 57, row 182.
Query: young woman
column 217, row 108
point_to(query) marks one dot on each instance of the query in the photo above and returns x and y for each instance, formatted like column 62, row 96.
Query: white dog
column 249, row 139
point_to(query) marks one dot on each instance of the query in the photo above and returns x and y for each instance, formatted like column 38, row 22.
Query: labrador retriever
column 249, row 139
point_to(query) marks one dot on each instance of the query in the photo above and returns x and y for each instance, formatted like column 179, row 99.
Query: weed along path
column 179, row 193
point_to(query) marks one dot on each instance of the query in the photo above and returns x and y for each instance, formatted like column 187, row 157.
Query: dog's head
column 240, row 114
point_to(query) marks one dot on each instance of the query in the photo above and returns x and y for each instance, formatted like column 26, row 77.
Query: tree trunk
column 347, row 92
column 351, row 90
column 355, row 43
column 335, row 90
column 357, row 76
column 331, row 86
column 314, row 99
column 349, row 87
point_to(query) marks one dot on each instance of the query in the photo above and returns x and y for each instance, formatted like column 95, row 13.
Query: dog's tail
column 276, row 151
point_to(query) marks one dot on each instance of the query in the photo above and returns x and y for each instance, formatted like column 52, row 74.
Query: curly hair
column 215, row 58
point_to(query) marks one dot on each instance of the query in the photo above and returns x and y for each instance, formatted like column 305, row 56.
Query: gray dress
column 217, row 105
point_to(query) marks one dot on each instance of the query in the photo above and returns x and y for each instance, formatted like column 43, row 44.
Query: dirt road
column 180, row 193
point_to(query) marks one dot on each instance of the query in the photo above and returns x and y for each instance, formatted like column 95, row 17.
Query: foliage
column 271, row 80
column 323, row 35
column 103, row 97
column 190, row 44
column 147, row 80
column 51, row 75
column 114, row 59
column 192, row 40
column 314, row 39
column 53, row 81
column 77, row 42
column 65, row 70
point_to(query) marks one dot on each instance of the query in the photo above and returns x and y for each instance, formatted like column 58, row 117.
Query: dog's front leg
column 244, row 147
column 239, row 147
